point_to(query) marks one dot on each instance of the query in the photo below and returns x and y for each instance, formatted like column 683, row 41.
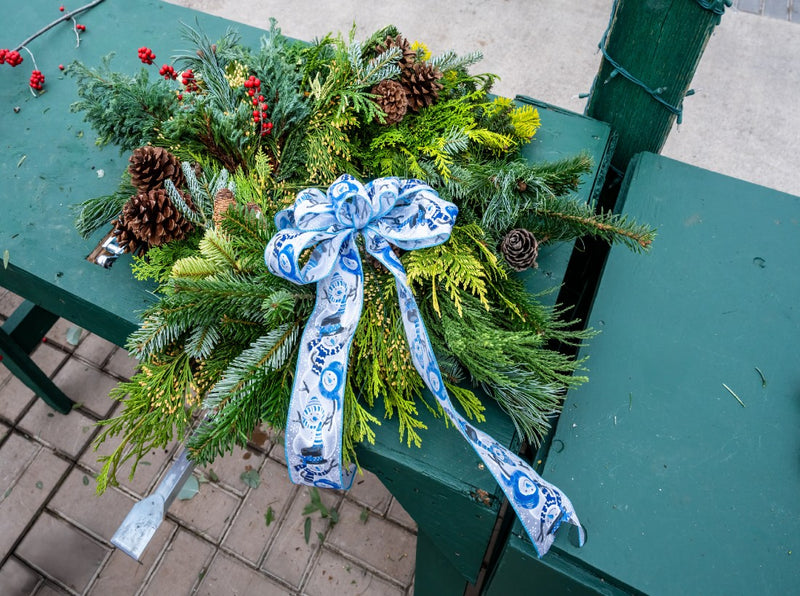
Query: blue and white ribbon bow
column 387, row 211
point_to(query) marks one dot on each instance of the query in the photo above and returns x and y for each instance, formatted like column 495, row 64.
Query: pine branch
column 561, row 219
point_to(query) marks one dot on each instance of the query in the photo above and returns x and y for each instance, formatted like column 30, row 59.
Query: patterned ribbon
column 386, row 211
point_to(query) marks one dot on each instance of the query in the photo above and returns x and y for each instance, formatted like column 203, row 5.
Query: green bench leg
column 435, row 575
column 18, row 337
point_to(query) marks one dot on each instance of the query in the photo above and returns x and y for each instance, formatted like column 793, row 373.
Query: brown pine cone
column 422, row 85
column 407, row 56
column 391, row 99
column 222, row 201
column 150, row 219
column 150, row 166
column 520, row 249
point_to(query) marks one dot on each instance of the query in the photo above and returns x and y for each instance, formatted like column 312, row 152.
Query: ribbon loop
column 387, row 211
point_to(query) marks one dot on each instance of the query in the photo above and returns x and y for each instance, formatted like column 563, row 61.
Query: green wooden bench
column 50, row 163
column 682, row 488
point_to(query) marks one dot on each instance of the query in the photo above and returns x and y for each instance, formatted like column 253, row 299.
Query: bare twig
column 56, row 22
column 734, row 394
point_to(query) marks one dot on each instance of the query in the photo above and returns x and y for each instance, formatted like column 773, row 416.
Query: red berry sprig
column 260, row 118
column 37, row 80
column 80, row 27
column 168, row 72
column 253, row 85
column 146, row 55
column 11, row 57
column 188, row 80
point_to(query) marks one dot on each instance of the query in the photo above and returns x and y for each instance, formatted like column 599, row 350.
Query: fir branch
column 247, row 393
column 451, row 61
column 176, row 198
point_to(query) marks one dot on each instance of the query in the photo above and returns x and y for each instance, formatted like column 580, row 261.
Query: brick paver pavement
column 55, row 532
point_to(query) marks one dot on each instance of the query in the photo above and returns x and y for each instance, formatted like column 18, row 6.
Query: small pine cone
column 520, row 249
column 407, row 56
column 422, row 85
column 150, row 219
column 222, row 201
column 150, row 166
column 391, row 99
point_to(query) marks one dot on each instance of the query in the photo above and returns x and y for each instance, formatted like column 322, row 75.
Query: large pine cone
column 520, row 249
column 422, row 85
column 407, row 56
column 150, row 219
column 391, row 99
column 150, row 166
column 222, row 201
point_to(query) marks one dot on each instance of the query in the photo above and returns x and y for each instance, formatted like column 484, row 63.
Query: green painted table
column 49, row 162
column 681, row 488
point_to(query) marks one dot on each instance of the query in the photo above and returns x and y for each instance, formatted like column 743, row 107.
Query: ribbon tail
column 539, row 505
column 314, row 426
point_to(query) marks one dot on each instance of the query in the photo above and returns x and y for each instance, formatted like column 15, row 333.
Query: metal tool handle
column 176, row 477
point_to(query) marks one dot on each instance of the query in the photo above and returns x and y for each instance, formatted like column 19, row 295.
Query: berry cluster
column 168, row 72
column 146, row 55
column 253, row 85
column 260, row 115
column 12, row 57
column 189, row 82
column 79, row 27
column 37, row 80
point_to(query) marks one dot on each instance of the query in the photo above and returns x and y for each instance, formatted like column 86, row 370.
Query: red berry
column 146, row 55
column 61, row 8
column 13, row 58
column 3, row 53
column 60, row 67
column 180, row 96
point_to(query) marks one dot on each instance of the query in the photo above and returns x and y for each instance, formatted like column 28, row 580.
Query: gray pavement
column 55, row 533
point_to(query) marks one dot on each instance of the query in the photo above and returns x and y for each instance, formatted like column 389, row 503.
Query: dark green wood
column 28, row 324
column 434, row 574
column 26, row 370
column 659, row 42
column 683, row 490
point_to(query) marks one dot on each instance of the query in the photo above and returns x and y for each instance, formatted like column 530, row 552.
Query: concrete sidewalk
column 55, row 533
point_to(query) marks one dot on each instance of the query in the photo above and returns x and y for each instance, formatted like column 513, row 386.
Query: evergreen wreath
column 252, row 127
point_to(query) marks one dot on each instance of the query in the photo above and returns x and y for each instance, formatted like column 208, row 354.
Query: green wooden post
column 658, row 42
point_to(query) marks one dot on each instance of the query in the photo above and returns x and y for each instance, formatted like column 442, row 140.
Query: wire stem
column 56, row 22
